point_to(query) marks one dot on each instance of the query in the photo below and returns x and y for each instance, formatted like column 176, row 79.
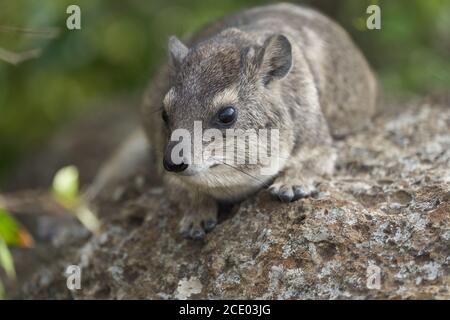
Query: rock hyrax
column 281, row 67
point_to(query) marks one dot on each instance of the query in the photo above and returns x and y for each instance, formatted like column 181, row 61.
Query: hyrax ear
column 275, row 58
column 177, row 52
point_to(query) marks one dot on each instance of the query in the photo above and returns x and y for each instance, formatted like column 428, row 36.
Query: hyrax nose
column 170, row 166
column 174, row 165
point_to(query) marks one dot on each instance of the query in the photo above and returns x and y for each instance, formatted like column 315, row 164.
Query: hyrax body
column 279, row 67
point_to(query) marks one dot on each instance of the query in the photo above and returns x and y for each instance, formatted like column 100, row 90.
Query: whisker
column 246, row 173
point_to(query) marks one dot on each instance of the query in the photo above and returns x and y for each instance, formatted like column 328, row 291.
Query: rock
column 386, row 210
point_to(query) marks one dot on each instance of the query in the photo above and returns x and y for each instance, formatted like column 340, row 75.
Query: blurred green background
column 122, row 43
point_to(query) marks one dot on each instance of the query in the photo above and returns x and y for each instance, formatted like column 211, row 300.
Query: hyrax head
column 225, row 94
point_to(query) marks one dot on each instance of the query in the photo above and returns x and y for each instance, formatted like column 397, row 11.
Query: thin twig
column 16, row 58
column 49, row 33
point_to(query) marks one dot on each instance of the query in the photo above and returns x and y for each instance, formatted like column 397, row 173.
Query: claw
column 288, row 193
column 209, row 224
column 299, row 192
column 197, row 234
column 196, row 226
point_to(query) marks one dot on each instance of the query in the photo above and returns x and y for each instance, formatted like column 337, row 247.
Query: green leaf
column 9, row 228
column 6, row 260
column 65, row 186
column 12, row 233
column 2, row 291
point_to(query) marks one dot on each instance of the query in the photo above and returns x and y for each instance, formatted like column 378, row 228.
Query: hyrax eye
column 227, row 116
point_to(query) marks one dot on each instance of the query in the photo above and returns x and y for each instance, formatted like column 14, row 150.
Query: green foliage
column 6, row 260
column 11, row 232
column 2, row 291
column 122, row 43
column 411, row 52
column 65, row 186
column 65, row 190
column 9, row 228
column 7, row 263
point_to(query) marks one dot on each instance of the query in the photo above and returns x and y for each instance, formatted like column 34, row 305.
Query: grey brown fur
column 282, row 66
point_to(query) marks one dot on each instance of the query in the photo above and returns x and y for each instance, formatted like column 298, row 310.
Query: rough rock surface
column 387, row 207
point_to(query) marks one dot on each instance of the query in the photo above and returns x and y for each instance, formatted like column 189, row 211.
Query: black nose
column 170, row 166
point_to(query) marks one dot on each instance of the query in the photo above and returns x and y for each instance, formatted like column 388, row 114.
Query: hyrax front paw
column 195, row 226
column 292, row 191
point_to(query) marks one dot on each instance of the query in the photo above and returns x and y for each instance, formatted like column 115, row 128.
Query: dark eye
column 165, row 117
column 227, row 116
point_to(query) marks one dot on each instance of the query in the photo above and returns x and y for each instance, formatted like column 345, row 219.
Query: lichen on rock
column 387, row 208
